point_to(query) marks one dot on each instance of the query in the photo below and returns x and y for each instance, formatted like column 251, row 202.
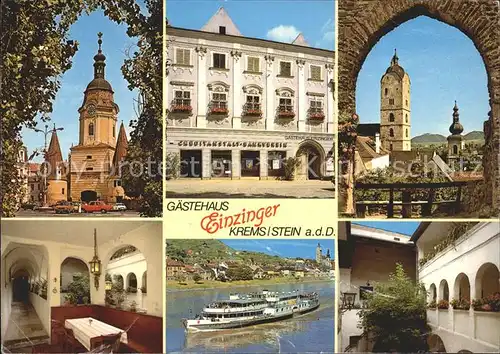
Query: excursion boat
column 252, row 309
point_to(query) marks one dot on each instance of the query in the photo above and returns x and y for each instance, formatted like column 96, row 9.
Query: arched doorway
column 444, row 291
column 435, row 344
column 462, row 288
column 432, row 294
column 312, row 158
column 128, row 267
column 21, row 287
column 74, row 282
column 363, row 24
column 88, row 196
column 487, row 281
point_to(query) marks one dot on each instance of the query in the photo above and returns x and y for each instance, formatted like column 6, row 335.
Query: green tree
column 78, row 289
column 36, row 51
column 395, row 315
column 196, row 278
column 240, row 273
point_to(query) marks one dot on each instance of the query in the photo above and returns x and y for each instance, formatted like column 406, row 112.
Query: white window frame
column 226, row 61
column 219, row 89
column 320, row 72
column 183, row 90
column 317, row 99
column 288, row 94
column 254, row 93
column 291, row 67
column 190, row 56
column 248, row 61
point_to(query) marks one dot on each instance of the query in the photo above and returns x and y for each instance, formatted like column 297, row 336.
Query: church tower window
column 406, row 118
column 391, row 117
column 391, row 133
column 91, row 129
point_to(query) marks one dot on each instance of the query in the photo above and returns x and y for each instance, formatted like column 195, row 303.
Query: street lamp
column 348, row 300
column 95, row 263
column 45, row 133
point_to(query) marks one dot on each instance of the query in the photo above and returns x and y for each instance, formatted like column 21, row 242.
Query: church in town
column 380, row 145
column 238, row 107
column 92, row 169
column 323, row 259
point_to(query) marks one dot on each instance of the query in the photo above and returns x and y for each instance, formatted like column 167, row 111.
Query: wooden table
column 87, row 328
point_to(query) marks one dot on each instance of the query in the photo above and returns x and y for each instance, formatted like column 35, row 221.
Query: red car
column 97, row 205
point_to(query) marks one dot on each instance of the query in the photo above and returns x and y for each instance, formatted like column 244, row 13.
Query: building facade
column 94, row 160
column 462, row 279
column 395, row 120
column 367, row 255
column 239, row 106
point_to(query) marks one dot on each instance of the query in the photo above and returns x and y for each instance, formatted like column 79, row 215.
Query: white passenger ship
column 251, row 309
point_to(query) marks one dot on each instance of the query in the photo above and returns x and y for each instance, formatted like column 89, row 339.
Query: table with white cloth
column 86, row 328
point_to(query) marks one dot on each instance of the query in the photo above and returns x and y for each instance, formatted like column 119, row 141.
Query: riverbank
column 173, row 285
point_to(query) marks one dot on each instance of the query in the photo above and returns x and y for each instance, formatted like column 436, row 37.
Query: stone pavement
column 23, row 322
column 248, row 188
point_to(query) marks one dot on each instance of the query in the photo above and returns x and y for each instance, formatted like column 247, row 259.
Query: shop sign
column 232, row 144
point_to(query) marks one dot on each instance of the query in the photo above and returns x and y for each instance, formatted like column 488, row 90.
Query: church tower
column 57, row 185
column 395, row 120
column 319, row 254
column 92, row 158
column 455, row 140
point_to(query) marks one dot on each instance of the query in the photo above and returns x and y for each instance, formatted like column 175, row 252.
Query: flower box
column 219, row 110
column 316, row 116
column 443, row 305
column 182, row 109
column 253, row 113
column 490, row 303
column 286, row 114
column 460, row 304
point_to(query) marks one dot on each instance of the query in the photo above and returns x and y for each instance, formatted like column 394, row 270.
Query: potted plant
column 133, row 306
column 144, row 290
column 86, row 300
column 443, row 304
column 432, row 304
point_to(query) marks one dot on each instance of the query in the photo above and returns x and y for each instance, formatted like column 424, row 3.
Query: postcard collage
column 226, row 176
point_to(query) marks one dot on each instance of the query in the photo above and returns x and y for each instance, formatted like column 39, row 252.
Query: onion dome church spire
column 456, row 128
column 99, row 82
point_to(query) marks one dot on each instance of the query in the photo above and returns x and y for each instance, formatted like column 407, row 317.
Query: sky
column 290, row 248
column 278, row 20
column 75, row 80
column 443, row 65
column 405, row 228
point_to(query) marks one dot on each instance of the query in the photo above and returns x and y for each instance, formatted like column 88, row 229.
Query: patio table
column 87, row 328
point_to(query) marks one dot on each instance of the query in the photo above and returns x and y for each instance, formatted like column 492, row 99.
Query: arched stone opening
column 88, row 196
column 461, row 289
column 312, row 160
column 444, row 291
column 362, row 24
column 21, row 286
column 487, row 281
column 74, row 282
column 436, row 344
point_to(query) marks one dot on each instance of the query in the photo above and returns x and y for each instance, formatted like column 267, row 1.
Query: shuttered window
column 182, row 57
column 253, row 64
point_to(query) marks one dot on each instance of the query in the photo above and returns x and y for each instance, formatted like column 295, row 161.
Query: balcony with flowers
column 181, row 106
column 316, row 114
column 252, row 110
column 218, row 108
column 285, row 111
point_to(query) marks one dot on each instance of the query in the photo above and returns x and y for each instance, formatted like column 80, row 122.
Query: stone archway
column 461, row 289
column 88, row 196
column 487, row 280
column 312, row 160
column 362, row 24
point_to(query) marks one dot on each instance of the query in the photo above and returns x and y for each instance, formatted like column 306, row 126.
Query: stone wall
column 362, row 23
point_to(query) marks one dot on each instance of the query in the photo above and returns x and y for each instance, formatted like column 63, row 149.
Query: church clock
column 91, row 110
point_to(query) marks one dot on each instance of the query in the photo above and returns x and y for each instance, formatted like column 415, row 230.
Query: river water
column 312, row 332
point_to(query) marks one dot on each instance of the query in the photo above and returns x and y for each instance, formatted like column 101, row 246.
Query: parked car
column 63, row 207
column 76, row 207
column 119, row 207
column 97, row 205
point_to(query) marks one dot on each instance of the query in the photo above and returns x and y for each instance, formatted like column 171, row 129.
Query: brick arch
column 363, row 23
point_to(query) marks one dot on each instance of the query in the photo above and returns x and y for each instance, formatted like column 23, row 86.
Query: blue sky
column 279, row 20
column 443, row 65
column 304, row 248
column 406, row 228
column 75, row 80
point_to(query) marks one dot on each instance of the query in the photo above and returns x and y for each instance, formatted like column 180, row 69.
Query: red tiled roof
column 174, row 263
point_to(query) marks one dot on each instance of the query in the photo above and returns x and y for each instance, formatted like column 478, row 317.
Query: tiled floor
column 24, row 327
